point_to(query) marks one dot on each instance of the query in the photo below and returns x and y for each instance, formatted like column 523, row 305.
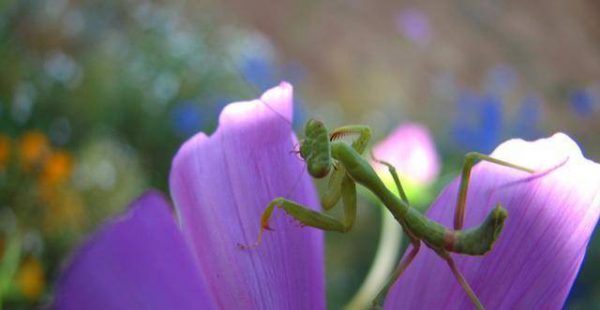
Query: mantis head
column 315, row 149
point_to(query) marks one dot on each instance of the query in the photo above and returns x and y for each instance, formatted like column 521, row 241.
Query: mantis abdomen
column 476, row 241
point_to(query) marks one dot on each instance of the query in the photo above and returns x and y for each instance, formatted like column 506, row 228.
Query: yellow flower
column 4, row 151
column 33, row 148
column 57, row 168
column 30, row 278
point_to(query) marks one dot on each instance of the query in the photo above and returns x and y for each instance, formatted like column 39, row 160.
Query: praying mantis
column 325, row 154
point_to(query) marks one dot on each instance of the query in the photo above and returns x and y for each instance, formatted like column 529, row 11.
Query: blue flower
column 187, row 118
column 479, row 123
column 583, row 102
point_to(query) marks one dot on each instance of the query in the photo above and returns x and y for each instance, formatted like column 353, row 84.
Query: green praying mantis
column 326, row 154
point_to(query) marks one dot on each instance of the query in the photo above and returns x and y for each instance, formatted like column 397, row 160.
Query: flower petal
column 536, row 258
column 222, row 184
column 412, row 151
column 139, row 261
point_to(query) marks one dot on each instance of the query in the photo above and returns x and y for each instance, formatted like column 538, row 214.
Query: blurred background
column 97, row 96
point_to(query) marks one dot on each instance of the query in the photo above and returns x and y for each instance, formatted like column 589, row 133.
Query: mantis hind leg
column 469, row 162
column 461, row 280
column 312, row 218
column 416, row 245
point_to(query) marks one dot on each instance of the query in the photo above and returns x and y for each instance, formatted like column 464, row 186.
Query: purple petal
column 222, row 184
column 536, row 258
column 410, row 148
column 138, row 261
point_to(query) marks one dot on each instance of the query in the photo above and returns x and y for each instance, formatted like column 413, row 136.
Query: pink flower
column 412, row 151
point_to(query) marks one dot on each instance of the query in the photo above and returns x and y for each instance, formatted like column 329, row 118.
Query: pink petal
column 552, row 215
column 221, row 185
column 411, row 149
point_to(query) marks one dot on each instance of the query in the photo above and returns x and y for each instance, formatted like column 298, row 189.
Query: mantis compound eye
column 318, row 170
column 303, row 149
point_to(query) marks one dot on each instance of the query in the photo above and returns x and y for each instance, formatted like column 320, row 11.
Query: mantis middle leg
column 394, row 174
column 416, row 244
column 469, row 162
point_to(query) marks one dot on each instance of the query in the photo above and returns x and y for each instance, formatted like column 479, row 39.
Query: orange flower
column 33, row 147
column 57, row 168
column 30, row 278
column 4, row 151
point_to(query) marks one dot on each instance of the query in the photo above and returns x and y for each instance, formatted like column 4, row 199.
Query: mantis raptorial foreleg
column 469, row 162
column 333, row 194
column 360, row 143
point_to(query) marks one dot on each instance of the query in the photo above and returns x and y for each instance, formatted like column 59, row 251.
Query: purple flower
column 138, row 261
column 532, row 266
column 220, row 185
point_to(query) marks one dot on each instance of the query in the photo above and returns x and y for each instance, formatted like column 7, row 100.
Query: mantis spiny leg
column 469, row 162
column 360, row 143
column 333, row 194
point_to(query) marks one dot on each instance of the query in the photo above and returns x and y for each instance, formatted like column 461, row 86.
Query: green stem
column 383, row 264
